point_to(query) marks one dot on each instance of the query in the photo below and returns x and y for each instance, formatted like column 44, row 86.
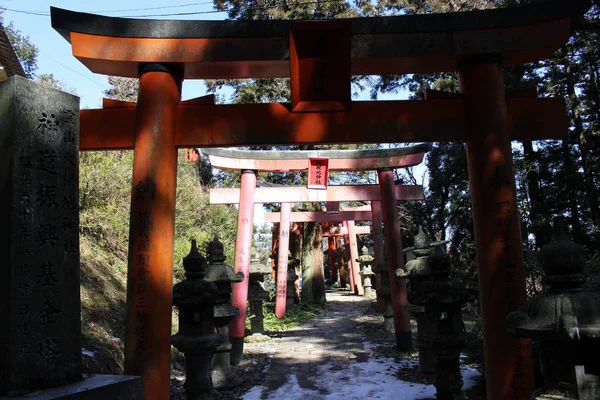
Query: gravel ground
column 252, row 371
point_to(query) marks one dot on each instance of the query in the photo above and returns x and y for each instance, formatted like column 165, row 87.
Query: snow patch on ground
column 374, row 379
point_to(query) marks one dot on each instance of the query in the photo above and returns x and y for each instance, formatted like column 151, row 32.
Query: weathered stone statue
column 386, row 292
column 365, row 260
column 223, row 276
column 195, row 297
column 419, row 271
column 565, row 322
column 443, row 298
column 256, row 294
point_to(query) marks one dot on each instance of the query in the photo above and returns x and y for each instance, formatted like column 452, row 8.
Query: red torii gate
column 320, row 57
column 355, row 214
column 287, row 195
column 337, row 160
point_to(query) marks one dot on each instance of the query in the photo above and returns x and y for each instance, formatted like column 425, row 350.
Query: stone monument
column 40, row 307
column 195, row 297
column 223, row 276
column 565, row 322
column 443, row 298
column 257, row 294
column 419, row 271
column 365, row 260
column 386, row 293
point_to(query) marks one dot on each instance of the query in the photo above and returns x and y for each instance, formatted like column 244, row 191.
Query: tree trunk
column 569, row 170
column 313, row 277
column 590, row 187
column 538, row 225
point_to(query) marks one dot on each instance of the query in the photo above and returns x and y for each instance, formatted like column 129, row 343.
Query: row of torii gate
column 383, row 197
column 320, row 57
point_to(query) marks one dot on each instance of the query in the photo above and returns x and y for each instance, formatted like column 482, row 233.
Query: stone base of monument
column 94, row 387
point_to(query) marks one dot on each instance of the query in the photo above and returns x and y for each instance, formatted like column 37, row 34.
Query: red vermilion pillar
column 393, row 245
column 282, row 259
column 152, row 231
column 243, row 247
column 358, row 288
column 350, row 271
column 497, row 230
column 377, row 222
column 331, row 249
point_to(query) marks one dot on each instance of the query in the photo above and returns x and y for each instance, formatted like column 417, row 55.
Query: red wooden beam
column 367, row 122
column 317, row 216
column 299, row 194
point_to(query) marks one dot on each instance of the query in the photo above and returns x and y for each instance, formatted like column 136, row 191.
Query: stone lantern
column 196, row 297
column 385, row 292
column 419, row 271
column 565, row 323
column 443, row 299
column 291, row 279
column 257, row 294
column 365, row 260
column 222, row 275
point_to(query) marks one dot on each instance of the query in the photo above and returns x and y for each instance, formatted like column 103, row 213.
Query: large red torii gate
column 475, row 44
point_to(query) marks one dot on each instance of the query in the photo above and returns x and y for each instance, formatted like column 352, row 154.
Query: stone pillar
column 257, row 295
column 282, row 259
column 358, row 287
column 377, row 226
column 40, row 308
column 152, row 230
column 292, row 277
column 496, row 223
column 223, row 276
column 365, row 260
column 419, row 271
column 243, row 245
column 348, row 253
column 393, row 244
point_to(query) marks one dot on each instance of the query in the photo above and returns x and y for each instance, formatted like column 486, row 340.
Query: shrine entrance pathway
column 342, row 354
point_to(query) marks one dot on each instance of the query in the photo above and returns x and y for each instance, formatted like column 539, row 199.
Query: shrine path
column 342, row 354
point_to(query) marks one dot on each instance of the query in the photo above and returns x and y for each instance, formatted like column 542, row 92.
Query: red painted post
column 340, row 261
column 350, row 271
column 282, row 259
column 377, row 222
column 151, row 233
column 243, row 247
column 393, row 244
column 332, row 267
column 497, row 231
column 358, row 287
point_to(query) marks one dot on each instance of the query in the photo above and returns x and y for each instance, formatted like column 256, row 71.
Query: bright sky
column 55, row 52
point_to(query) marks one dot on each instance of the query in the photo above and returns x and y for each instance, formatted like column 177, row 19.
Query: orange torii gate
column 346, row 215
column 382, row 160
column 320, row 57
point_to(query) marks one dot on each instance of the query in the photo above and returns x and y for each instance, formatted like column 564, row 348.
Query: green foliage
column 105, row 196
column 294, row 316
column 26, row 51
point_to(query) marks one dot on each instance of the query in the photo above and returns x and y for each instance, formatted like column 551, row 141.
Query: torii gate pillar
column 497, row 231
column 393, row 245
column 243, row 247
column 152, row 231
